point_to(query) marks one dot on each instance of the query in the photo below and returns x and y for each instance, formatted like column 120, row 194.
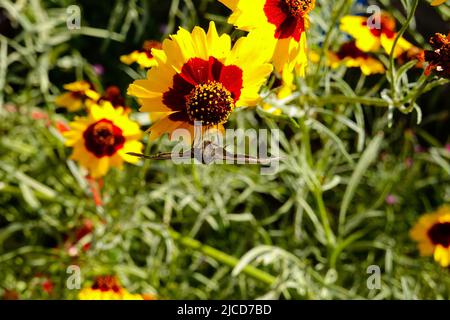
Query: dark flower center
column 440, row 234
column 81, row 94
column 106, row 283
column 78, row 95
column 350, row 50
column 103, row 138
column 113, row 95
column 300, row 8
column 204, row 90
column 210, row 103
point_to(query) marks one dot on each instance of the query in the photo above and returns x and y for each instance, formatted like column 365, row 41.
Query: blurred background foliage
column 369, row 179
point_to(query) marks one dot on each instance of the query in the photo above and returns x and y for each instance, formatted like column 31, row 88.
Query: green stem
column 306, row 143
column 222, row 257
column 341, row 99
column 392, row 73
column 324, row 217
column 327, row 41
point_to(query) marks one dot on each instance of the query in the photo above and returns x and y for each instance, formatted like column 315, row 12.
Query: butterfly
column 208, row 153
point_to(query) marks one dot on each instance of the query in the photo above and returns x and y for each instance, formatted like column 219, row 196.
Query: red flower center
column 350, row 50
column 103, row 138
column 106, row 283
column 205, row 90
column 387, row 27
column 440, row 234
column 288, row 16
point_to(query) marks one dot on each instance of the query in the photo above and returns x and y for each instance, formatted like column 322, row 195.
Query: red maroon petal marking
column 198, row 71
column 287, row 26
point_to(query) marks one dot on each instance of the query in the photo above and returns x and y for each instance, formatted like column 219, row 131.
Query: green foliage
column 221, row 231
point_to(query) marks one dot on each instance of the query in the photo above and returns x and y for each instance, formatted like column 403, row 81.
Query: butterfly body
column 208, row 153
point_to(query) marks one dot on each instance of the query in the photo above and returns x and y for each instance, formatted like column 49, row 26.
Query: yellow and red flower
column 201, row 77
column 107, row 288
column 103, row 138
column 371, row 38
column 81, row 93
column 284, row 24
column 432, row 232
column 143, row 57
column 351, row 56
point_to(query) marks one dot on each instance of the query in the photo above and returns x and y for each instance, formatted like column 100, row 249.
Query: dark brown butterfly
column 208, row 153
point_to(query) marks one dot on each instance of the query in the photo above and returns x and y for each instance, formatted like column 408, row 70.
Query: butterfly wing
column 162, row 156
column 246, row 159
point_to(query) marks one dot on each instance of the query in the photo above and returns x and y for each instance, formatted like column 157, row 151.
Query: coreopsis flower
column 432, row 232
column 103, row 138
column 81, row 93
column 201, row 77
column 143, row 57
column 351, row 56
column 284, row 24
column 439, row 57
column 370, row 38
column 107, row 288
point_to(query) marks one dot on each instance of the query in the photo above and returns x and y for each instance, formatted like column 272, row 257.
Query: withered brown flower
column 439, row 57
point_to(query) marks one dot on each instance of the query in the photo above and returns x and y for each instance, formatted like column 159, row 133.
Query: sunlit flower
column 284, row 24
column 351, row 56
column 439, row 57
column 102, row 139
column 201, row 77
column 371, row 38
column 432, row 232
column 81, row 93
column 143, row 57
column 107, row 288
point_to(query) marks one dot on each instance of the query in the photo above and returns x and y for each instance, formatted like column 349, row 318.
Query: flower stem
column 222, row 257
column 392, row 72
column 324, row 217
column 327, row 41
column 342, row 99
column 318, row 195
